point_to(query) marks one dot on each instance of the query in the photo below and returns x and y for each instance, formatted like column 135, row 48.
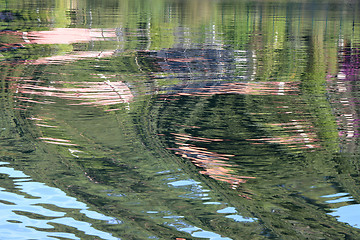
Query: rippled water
column 167, row 119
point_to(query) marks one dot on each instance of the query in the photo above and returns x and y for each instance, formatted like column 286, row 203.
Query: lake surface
column 169, row 119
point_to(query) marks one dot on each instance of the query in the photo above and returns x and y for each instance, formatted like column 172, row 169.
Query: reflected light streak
column 301, row 135
column 215, row 165
column 61, row 59
column 252, row 88
column 89, row 93
column 67, row 35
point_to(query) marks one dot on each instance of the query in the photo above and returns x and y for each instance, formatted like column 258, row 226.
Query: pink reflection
column 67, row 35
column 60, row 143
column 252, row 88
column 85, row 93
column 70, row 57
column 215, row 165
column 299, row 134
column 343, row 90
column 56, row 36
column 60, row 36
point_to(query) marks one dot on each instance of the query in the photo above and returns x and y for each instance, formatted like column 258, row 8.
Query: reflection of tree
column 198, row 64
column 255, row 119
column 295, row 133
column 10, row 40
column 193, row 126
column 77, row 154
column 343, row 90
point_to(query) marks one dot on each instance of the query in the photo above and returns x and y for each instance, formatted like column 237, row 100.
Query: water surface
column 175, row 119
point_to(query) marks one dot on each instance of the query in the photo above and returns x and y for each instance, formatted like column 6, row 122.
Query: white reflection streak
column 179, row 222
column 349, row 214
column 14, row 224
column 88, row 93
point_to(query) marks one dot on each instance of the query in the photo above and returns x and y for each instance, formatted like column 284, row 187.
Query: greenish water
column 169, row 119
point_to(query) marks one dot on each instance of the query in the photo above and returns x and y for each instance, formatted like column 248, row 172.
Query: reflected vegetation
column 175, row 119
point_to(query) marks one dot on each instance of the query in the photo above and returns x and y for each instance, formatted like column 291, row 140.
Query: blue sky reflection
column 24, row 215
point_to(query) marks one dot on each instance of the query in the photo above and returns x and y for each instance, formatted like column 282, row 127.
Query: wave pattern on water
column 186, row 119
column 34, row 210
